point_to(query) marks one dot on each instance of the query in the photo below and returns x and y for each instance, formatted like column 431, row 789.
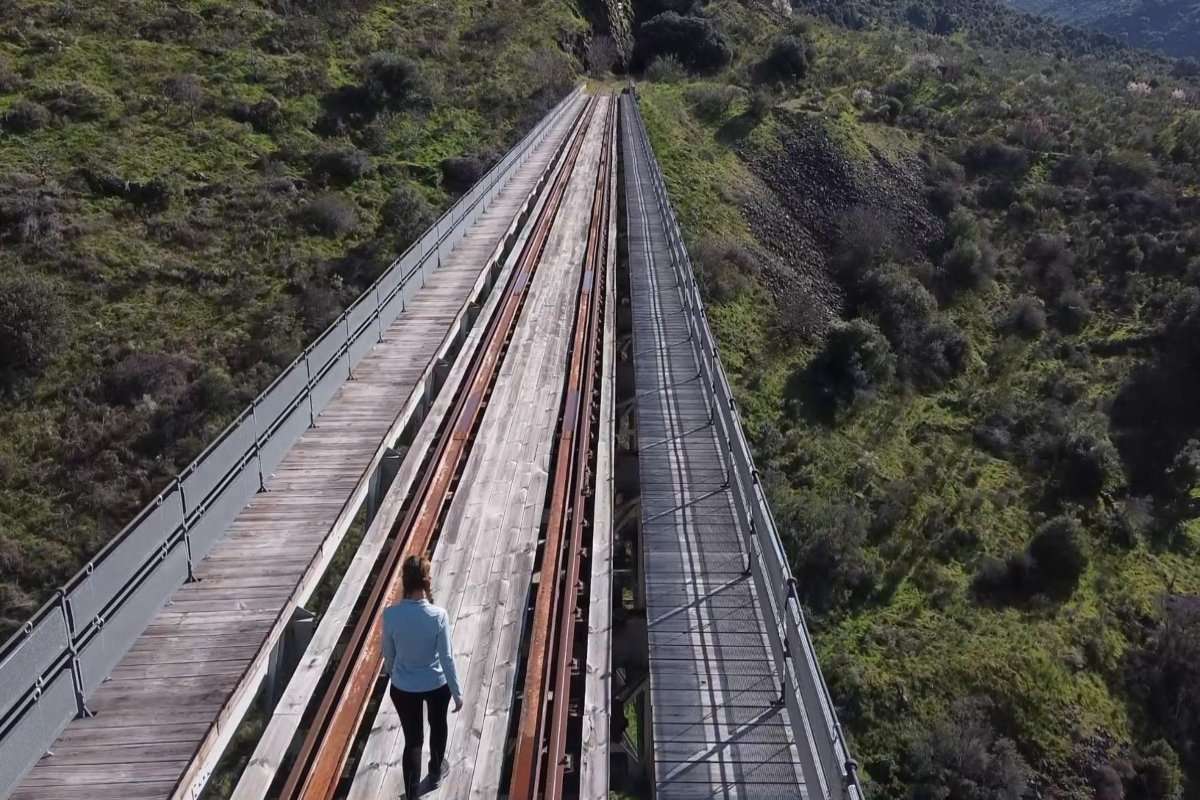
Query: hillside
column 957, row 281
column 1169, row 26
column 189, row 193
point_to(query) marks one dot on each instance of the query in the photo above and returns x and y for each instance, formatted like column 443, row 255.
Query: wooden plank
column 282, row 541
column 264, row 764
column 594, row 756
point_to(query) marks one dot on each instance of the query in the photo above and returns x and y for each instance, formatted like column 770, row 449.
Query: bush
column 1083, row 466
column 1004, row 580
column 903, row 307
column 1074, row 170
column 25, row 117
column 77, row 101
column 1164, row 675
column 187, row 92
column 1051, row 564
column 963, row 758
column 1027, row 317
column 139, row 376
column 968, row 266
column 992, row 155
column 696, row 42
column 711, row 102
column 941, row 357
column 391, row 80
column 786, row 61
column 1072, row 313
column 32, row 323
column 329, row 215
column 725, row 269
column 407, row 214
column 340, row 167
column 855, row 363
column 460, row 173
column 665, row 69
column 265, row 116
column 1058, row 556
column 602, row 56
column 1129, row 169
column 833, row 569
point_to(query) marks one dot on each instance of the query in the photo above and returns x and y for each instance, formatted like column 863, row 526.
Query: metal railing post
column 81, row 709
column 308, row 387
column 262, row 482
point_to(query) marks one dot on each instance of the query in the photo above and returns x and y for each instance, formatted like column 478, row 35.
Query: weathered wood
column 281, row 542
column 484, row 559
column 257, row 778
column 593, row 777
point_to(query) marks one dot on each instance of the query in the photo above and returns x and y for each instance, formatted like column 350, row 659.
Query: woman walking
column 419, row 659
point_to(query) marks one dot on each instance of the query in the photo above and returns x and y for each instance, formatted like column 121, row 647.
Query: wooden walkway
column 483, row 562
column 168, row 697
column 718, row 731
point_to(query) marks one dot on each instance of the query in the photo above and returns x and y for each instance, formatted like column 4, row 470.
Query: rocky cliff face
column 614, row 18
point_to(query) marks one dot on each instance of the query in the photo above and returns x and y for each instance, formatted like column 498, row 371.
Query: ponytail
column 415, row 576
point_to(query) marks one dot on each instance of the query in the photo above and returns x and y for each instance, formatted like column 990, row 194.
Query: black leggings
column 408, row 706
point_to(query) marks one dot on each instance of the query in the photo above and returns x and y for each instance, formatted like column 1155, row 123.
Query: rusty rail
column 317, row 771
column 540, row 761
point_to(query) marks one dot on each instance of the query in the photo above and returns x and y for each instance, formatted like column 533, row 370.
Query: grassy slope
column 901, row 660
column 231, row 293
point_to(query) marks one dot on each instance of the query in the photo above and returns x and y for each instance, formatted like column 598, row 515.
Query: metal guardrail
column 825, row 758
column 51, row 666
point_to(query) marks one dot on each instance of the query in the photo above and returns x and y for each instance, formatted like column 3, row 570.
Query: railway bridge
column 531, row 395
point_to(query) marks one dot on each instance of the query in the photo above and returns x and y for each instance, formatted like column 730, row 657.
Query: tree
column 696, row 42
column 787, row 60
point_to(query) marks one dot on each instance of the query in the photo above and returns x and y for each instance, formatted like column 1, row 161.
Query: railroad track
column 545, row 741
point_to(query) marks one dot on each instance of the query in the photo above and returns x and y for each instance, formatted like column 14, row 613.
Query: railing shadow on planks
column 56, row 660
column 830, row 772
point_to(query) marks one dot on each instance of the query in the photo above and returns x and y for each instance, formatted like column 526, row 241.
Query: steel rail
column 540, row 758
column 318, row 768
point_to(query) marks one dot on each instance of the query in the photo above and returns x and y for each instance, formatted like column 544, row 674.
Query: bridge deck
column 167, row 694
column 483, row 563
column 717, row 729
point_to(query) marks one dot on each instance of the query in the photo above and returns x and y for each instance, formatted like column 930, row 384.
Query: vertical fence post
column 187, row 531
column 81, row 709
column 378, row 312
column 262, row 483
column 349, row 361
column 308, row 387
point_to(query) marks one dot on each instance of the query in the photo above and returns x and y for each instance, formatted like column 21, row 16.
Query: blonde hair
column 414, row 576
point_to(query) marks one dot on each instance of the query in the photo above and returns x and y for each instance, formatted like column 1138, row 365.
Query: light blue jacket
column 417, row 652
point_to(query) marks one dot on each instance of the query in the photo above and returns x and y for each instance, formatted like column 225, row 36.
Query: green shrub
column 786, row 62
column 854, row 365
column 329, row 215
column 963, row 758
column 25, row 117
column 33, row 323
column 406, row 214
column 665, row 69
column 712, row 102
column 340, row 167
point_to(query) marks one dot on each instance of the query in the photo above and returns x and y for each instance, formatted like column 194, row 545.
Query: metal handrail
column 71, row 623
column 812, row 713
